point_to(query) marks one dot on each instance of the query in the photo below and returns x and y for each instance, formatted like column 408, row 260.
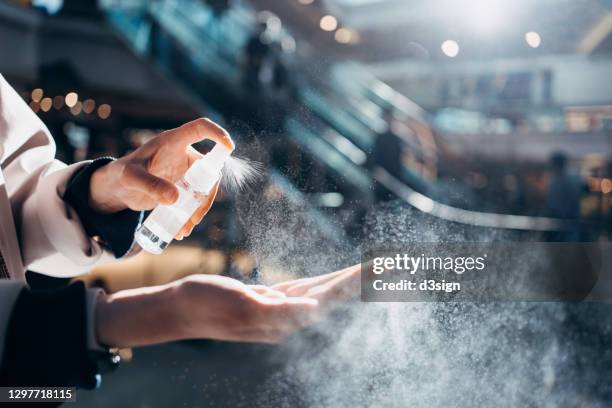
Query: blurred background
column 489, row 116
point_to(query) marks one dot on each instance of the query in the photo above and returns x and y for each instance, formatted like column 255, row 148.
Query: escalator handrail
column 474, row 218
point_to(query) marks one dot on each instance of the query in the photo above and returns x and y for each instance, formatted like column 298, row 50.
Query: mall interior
column 385, row 120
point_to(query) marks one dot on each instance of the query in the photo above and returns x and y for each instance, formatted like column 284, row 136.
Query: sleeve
column 56, row 236
column 52, row 239
column 59, row 317
column 114, row 231
column 52, row 236
column 9, row 290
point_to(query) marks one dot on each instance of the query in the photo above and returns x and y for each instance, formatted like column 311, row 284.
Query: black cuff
column 46, row 340
column 115, row 230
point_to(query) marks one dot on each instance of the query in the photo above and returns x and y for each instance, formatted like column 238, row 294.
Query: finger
column 289, row 285
column 137, row 178
column 339, row 289
column 198, row 130
column 267, row 291
column 314, row 280
column 184, row 232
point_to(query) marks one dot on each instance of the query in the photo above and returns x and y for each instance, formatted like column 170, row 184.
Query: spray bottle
column 160, row 227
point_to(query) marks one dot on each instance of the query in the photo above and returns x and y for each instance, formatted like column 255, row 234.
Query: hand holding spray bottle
column 162, row 225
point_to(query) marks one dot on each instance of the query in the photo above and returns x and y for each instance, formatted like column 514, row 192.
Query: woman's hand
column 335, row 287
column 226, row 309
column 200, row 306
column 221, row 308
column 146, row 177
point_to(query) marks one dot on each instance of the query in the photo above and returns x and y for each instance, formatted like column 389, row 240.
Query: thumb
column 137, row 178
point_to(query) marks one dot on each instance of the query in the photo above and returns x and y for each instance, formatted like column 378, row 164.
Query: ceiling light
column 45, row 104
column 71, row 99
column 450, row 48
column 104, row 111
column 533, row 39
column 37, row 94
column 89, row 105
column 345, row 36
column 328, row 23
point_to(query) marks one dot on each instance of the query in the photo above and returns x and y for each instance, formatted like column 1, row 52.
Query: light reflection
column 450, row 48
column 71, row 99
column 533, row 39
column 328, row 23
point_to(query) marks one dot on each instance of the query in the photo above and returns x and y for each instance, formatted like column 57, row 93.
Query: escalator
column 337, row 116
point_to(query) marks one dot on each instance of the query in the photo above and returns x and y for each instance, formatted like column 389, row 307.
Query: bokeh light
column 104, row 111
column 37, row 94
column 606, row 186
column 89, row 105
column 328, row 23
column 346, row 36
column 35, row 106
column 450, row 48
column 533, row 39
column 76, row 108
column 58, row 102
column 71, row 99
column 45, row 104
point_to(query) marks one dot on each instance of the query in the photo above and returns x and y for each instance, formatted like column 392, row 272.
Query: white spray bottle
column 161, row 226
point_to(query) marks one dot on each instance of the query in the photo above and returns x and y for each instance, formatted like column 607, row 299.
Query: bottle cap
column 204, row 173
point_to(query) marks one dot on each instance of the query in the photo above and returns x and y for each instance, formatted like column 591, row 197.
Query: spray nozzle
column 204, row 173
column 217, row 157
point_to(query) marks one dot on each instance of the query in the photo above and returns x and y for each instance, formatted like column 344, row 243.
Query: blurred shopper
column 218, row 10
column 55, row 217
column 387, row 153
column 280, row 92
column 283, row 84
column 256, row 55
column 563, row 196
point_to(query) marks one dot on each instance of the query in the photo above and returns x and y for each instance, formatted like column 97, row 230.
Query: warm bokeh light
column 58, row 102
column 306, row 1
column 346, row 36
column 35, row 106
column 71, row 99
column 450, row 48
column 37, row 94
column 77, row 108
column 606, row 186
column 45, row 104
column 533, row 39
column 89, row 105
column 104, row 111
column 328, row 23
